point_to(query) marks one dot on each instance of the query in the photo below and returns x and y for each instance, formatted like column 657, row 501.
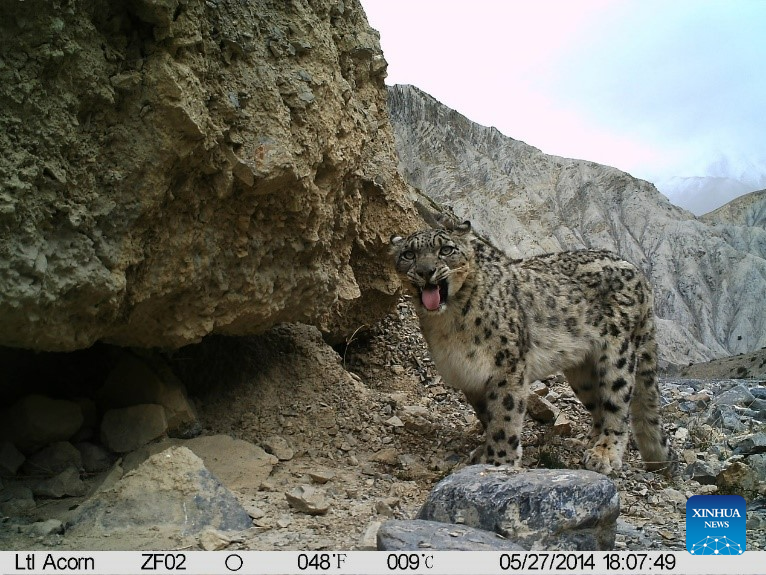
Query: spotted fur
column 502, row 323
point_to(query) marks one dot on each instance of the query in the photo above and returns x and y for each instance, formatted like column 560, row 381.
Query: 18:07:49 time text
column 581, row 561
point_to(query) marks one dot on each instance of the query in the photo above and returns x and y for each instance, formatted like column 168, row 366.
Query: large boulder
column 536, row 508
column 35, row 421
column 169, row 169
column 170, row 490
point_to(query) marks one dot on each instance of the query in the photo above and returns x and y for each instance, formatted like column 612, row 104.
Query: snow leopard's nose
column 426, row 270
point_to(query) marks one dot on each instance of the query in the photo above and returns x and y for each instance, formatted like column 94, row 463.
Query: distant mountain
column 721, row 181
column 747, row 210
column 709, row 280
column 703, row 194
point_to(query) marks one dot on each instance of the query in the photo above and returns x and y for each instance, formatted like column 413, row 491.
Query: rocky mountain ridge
column 709, row 280
column 748, row 210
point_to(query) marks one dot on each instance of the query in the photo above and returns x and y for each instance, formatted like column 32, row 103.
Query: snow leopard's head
column 434, row 264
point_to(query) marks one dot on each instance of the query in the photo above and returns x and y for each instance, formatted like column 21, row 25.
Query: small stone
column 369, row 537
column 759, row 406
column 129, row 428
column 10, row 458
column 738, row 395
column 94, row 457
column 15, row 499
column 284, row 521
column 66, row 483
column 674, row 497
column 562, row 425
column 437, row 390
column 395, row 422
column 388, row 455
column 111, row 477
column 148, row 380
column 279, row 447
column 415, row 418
column 53, row 459
column 738, row 478
column 90, row 415
column 726, row 416
column 45, row 528
column 541, row 409
column 415, row 411
column 383, row 508
column 539, row 388
column 321, row 477
column 750, row 444
column 689, row 456
column 308, row 499
column 702, row 472
column 757, row 463
column 254, row 511
column 701, row 398
column 213, row 540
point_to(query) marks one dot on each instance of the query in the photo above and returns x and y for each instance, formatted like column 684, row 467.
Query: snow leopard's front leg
column 506, row 406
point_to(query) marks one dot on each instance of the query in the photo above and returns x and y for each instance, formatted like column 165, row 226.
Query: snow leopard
column 494, row 324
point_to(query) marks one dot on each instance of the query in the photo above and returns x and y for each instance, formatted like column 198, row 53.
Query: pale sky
column 659, row 89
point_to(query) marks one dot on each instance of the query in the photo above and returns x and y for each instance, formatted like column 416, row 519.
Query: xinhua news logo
column 715, row 525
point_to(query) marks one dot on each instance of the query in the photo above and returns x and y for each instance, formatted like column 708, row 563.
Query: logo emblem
column 715, row 525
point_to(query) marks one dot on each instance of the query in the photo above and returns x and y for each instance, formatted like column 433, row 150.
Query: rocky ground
column 361, row 433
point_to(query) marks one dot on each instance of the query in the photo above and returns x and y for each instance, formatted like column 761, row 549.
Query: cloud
column 682, row 76
column 655, row 88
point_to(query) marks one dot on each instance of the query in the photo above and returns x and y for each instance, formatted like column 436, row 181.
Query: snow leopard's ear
column 440, row 220
column 451, row 225
column 463, row 228
column 430, row 217
column 396, row 243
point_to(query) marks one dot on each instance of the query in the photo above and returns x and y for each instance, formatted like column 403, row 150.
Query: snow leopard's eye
column 447, row 250
column 408, row 255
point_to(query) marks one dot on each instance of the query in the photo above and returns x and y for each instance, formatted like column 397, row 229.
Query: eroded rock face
column 175, row 168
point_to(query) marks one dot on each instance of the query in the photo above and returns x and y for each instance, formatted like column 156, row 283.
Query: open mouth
column 434, row 296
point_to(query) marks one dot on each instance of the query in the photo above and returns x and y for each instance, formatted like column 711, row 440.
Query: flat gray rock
column 751, row 444
column 736, row 395
column 417, row 534
column 551, row 509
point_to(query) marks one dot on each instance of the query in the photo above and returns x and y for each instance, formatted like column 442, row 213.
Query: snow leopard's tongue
column 431, row 298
